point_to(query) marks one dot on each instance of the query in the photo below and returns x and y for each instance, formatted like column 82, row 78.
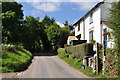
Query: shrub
column 92, row 41
column 111, row 63
column 81, row 50
column 61, row 51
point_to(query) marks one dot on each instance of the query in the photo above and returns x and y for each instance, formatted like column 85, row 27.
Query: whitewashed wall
column 87, row 28
column 100, row 15
column 95, row 26
column 81, row 30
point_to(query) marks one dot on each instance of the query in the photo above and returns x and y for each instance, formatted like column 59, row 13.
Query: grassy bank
column 14, row 58
column 76, row 63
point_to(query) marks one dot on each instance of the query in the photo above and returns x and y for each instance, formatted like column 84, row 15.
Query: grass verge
column 14, row 58
column 76, row 63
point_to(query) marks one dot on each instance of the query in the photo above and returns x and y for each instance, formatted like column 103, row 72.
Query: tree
column 66, row 23
column 53, row 33
column 12, row 16
column 34, row 37
column 65, row 31
column 114, row 21
column 32, row 33
column 69, row 25
column 47, row 21
column 31, row 38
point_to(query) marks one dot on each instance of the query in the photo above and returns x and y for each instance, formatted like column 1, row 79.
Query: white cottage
column 92, row 26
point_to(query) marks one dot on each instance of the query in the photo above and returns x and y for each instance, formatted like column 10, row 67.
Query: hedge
column 79, row 51
column 61, row 50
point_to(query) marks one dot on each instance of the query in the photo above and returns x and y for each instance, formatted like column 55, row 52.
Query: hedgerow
column 81, row 50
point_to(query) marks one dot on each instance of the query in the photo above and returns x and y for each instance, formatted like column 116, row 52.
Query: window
column 78, row 26
column 91, row 18
column 105, row 30
column 105, row 36
column 91, row 35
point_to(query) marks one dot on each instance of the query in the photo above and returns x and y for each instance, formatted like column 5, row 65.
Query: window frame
column 91, row 35
column 91, row 18
column 79, row 26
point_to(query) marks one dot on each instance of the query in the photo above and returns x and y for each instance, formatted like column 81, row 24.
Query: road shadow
column 44, row 54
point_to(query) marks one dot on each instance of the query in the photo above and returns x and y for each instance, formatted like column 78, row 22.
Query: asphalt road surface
column 48, row 66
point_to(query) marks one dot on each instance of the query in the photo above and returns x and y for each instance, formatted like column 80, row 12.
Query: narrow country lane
column 50, row 67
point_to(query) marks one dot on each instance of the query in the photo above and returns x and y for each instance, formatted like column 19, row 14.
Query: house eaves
column 96, row 6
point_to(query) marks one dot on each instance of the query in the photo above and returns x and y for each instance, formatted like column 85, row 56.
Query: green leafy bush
column 111, row 63
column 61, row 51
column 14, row 58
column 81, row 50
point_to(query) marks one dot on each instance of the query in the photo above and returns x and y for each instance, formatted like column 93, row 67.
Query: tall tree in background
column 31, row 38
column 12, row 16
column 114, row 21
column 33, row 34
column 53, row 33
column 71, row 28
column 65, row 31
column 47, row 21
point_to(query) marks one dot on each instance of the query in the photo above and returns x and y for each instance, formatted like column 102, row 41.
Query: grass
column 76, row 63
column 14, row 59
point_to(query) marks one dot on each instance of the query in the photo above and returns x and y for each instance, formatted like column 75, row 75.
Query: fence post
column 97, row 61
column 104, row 58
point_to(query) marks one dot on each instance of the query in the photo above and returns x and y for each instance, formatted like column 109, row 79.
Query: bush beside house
column 111, row 63
column 78, row 52
column 14, row 58
column 81, row 50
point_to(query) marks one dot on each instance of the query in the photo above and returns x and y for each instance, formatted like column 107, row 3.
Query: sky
column 61, row 11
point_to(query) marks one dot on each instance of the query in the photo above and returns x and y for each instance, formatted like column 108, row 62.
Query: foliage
column 68, row 25
column 14, row 58
column 57, row 35
column 81, row 50
column 47, row 21
column 33, row 30
column 76, row 63
column 33, row 34
column 111, row 63
column 114, row 22
column 92, row 42
column 53, row 33
column 12, row 16
column 65, row 31
column 61, row 51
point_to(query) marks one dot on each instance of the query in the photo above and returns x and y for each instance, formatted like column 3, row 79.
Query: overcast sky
column 61, row 10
